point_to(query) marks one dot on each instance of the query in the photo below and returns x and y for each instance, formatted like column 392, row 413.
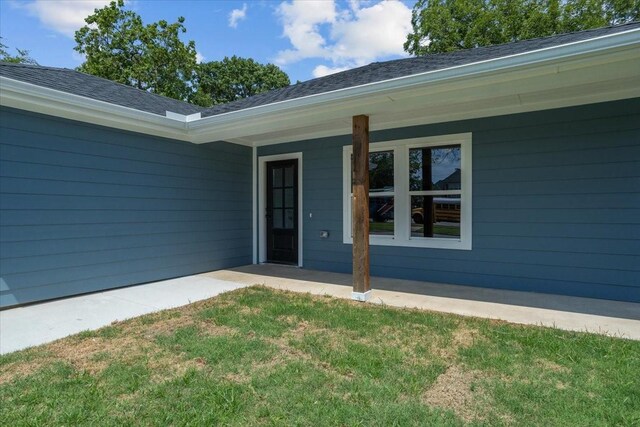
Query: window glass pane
column 277, row 218
column 288, row 176
column 381, row 171
column 435, row 168
column 277, row 177
column 277, row 198
column 288, row 219
column 288, row 198
column 381, row 216
column 435, row 216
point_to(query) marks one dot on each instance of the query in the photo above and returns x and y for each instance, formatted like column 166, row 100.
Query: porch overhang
column 595, row 70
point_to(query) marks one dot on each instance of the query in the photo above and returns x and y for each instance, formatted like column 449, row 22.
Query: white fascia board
column 467, row 71
column 27, row 96
column 244, row 126
column 183, row 118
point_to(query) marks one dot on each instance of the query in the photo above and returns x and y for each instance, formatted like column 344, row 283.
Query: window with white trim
column 419, row 192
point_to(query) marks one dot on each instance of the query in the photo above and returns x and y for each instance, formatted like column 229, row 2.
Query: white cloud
column 346, row 37
column 323, row 70
column 237, row 15
column 379, row 30
column 301, row 22
column 62, row 16
column 200, row 57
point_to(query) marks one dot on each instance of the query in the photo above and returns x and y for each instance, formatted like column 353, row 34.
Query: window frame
column 402, row 193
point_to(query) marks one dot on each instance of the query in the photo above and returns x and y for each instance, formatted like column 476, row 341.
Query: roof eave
column 39, row 99
column 302, row 118
column 233, row 124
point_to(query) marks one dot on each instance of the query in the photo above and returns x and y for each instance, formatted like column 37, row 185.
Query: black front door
column 282, row 212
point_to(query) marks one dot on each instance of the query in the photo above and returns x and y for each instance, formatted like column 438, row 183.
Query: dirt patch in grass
column 404, row 339
column 237, row 378
column 249, row 311
column 289, row 319
column 287, row 352
column 456, row 390
column 11, row 371
column 548, row 365
column 462, row 337
column 165, row 366
column 132, row 340
column 210, row 329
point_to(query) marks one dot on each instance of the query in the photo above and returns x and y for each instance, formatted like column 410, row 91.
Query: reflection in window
column 435, row 191
column 420, row 192
column 381, row 214
column 435, row 216
column 436, row 168
column 381, row 193
column 381, row 171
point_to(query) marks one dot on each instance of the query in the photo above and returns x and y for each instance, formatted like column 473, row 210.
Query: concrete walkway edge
column 28, row 326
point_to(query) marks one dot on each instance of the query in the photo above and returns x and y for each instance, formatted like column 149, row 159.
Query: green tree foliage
column 21, row 58
column 119, row 47
column 448, row 25
column 234, row 78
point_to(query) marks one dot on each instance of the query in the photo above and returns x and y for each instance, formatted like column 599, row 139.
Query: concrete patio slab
column 23, row 327
column 614, row 318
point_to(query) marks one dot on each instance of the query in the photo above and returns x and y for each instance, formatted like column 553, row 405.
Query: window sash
column 436, row 193
column 402, row 193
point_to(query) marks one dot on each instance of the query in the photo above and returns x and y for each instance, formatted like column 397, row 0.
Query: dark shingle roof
column 380, row 71
column 77, row 83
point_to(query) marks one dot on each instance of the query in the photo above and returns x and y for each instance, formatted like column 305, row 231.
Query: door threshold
column 281, row 264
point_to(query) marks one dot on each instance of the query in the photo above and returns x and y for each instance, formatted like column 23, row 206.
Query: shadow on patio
column 445, row 297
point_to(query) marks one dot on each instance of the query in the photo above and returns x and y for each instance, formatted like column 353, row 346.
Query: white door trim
column 262, row 170
column 254, row 204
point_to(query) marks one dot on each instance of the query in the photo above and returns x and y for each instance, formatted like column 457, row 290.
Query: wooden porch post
column 360, row 208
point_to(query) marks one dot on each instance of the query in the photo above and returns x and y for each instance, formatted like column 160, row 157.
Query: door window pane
column 436, row 168
column 277, row 218
column 435, row 216
column 277, row 177
column 288, row 219
column 277, row 198
column 288, row 176
column 381, row 216
column 289, row 201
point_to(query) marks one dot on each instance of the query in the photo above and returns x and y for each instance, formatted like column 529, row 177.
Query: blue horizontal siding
column 93, row 282
column 556, row 204
column 86, row 208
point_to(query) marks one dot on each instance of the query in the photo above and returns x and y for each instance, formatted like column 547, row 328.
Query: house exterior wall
column 86, row 208
column 556, row 204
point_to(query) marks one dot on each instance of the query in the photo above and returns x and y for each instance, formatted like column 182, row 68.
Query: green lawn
column 263, row 357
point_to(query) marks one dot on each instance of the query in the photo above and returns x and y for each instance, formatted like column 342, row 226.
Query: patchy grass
column 262, row 357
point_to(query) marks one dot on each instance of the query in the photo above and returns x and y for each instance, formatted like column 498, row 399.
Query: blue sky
column 306, row 38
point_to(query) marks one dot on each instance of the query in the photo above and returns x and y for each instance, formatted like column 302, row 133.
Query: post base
column 361, row 296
